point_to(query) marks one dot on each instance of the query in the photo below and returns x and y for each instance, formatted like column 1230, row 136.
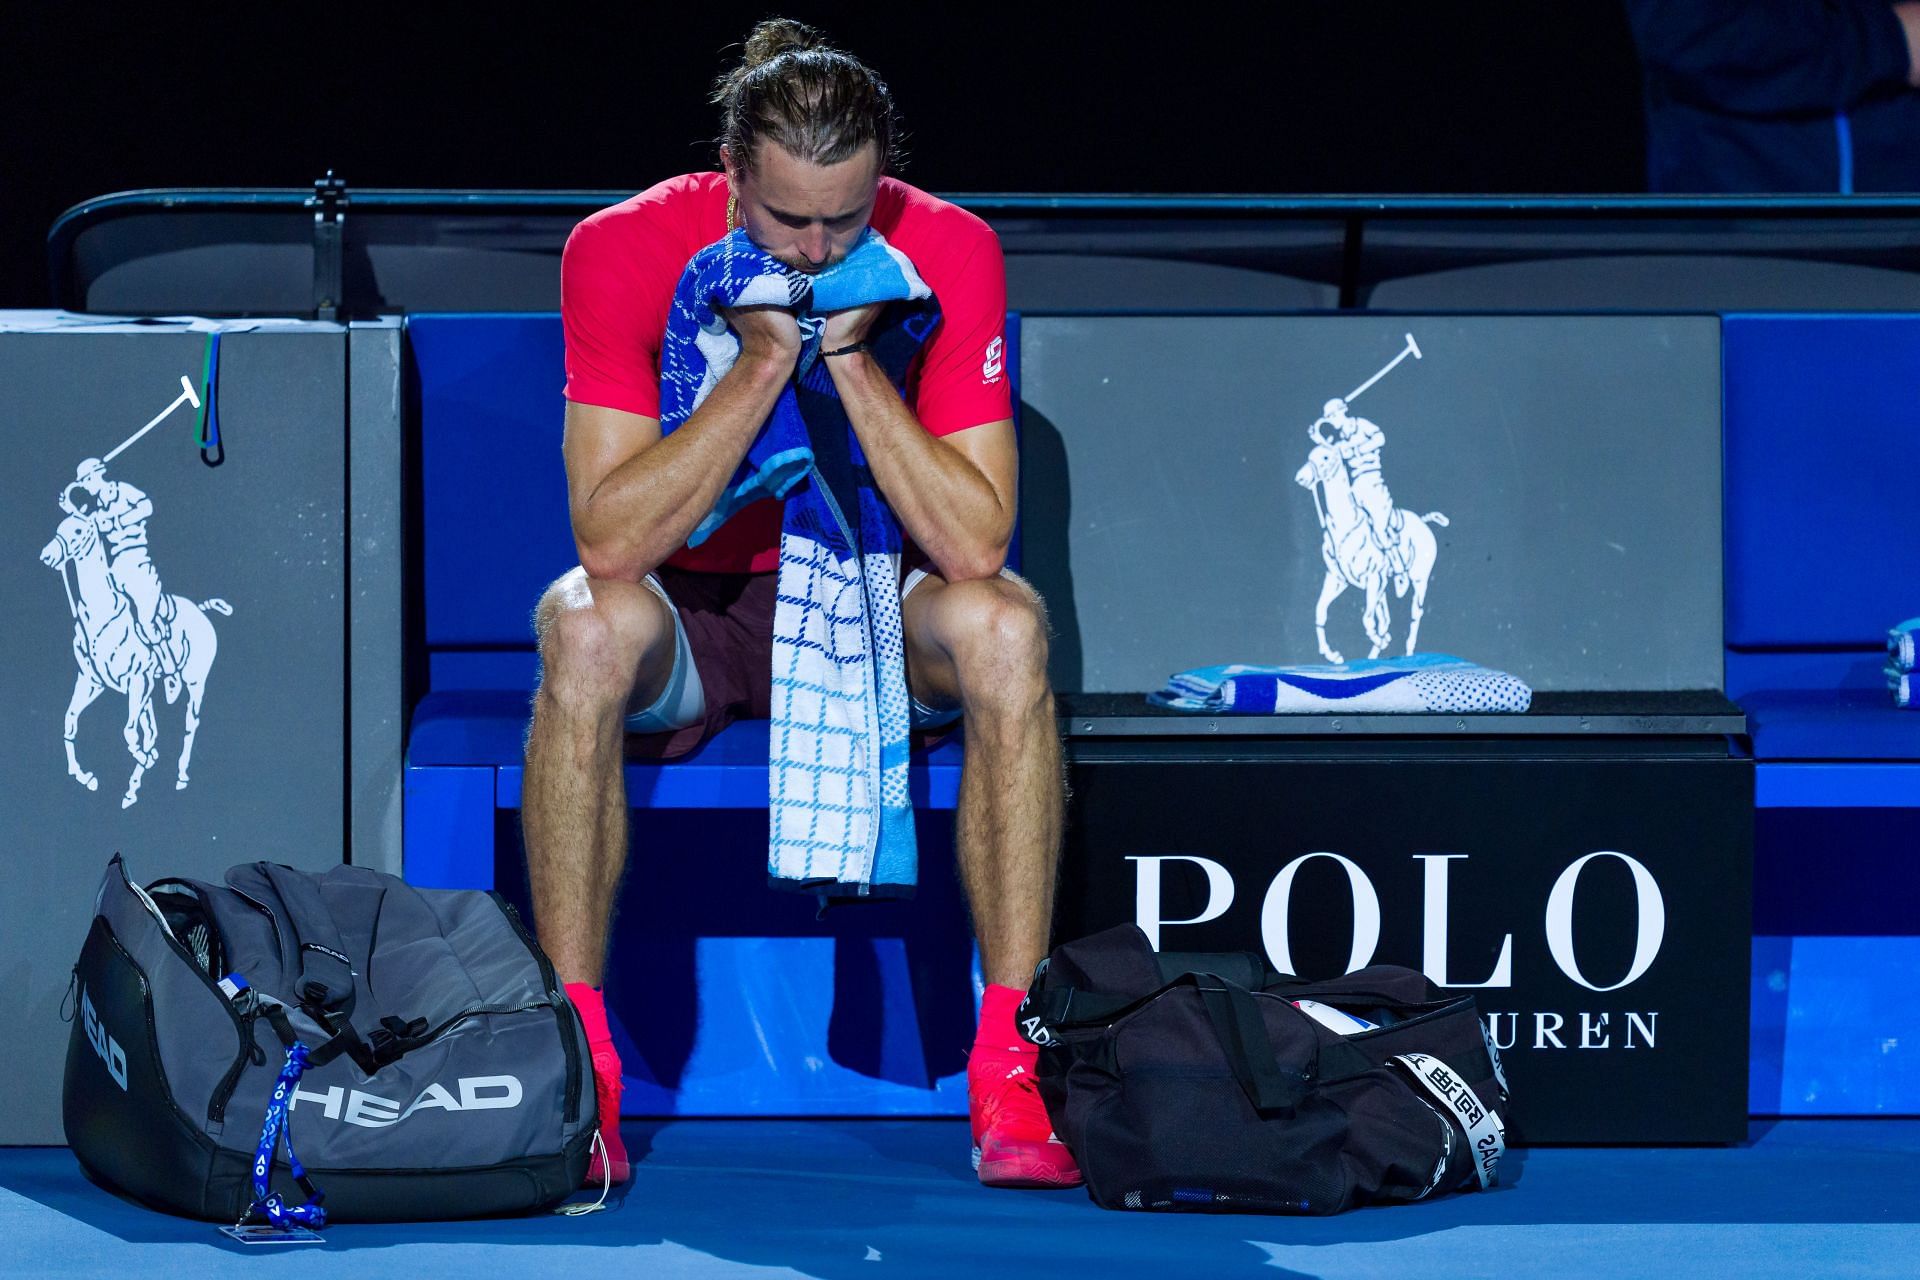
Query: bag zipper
column 562, row 1009
column 1431, row 1014
column 1450, row 1007
column 217, row 1108
column 217, row 1105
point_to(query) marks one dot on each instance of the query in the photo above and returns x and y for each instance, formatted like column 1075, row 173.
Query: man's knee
column 999, row 630
column 595, row 637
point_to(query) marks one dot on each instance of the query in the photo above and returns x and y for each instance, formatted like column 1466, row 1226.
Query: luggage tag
column 267, row 1233
column 233, row 987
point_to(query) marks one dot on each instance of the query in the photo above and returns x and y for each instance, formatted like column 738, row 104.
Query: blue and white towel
column 699, row 348
column 1901, row 643
column 839, row 816
column 1431, row 682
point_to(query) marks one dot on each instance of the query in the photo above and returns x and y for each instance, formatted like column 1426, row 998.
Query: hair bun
column 776, row 36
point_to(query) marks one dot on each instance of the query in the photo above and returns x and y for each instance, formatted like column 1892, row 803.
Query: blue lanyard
column 212, row 452
column 310, row 1214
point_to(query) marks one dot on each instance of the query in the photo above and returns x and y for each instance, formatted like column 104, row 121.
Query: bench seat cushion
column 1822, row 705
column 1830, row 724
column 489, row 727
column 470, row 727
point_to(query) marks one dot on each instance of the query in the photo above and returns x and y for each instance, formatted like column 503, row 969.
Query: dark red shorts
column 728, row 620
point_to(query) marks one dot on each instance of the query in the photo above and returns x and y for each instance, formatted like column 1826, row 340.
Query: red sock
column 591, row 1005
column 592, row 1008
column 998, row 1035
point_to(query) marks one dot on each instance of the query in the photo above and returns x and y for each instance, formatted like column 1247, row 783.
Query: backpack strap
column 326, row 973
column 322, row 975
column 321, row 970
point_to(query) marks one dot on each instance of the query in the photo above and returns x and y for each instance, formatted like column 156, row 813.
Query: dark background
column 1495, row 96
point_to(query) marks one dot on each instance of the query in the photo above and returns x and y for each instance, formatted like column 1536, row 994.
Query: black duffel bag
column 1196, row 1082
column 459, row 1085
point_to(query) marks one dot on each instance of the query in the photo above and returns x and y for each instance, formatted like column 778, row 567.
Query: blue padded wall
column 1822, row 425
column 731, row 1000
column 494, row 494
column 726, row 998
column 494, row 491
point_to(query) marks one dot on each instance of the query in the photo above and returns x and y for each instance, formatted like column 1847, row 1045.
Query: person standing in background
column 1777, row 96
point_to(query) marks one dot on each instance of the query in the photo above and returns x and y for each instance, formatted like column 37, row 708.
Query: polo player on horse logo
column 1365, row 539
column 128, row 633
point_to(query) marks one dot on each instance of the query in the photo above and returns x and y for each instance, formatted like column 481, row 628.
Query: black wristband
column 847, row 350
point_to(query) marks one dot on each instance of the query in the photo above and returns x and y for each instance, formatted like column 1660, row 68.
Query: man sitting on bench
column 655, row 646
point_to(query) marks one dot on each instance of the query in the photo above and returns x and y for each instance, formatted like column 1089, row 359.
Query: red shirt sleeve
column 963, row 372
column 613, row 313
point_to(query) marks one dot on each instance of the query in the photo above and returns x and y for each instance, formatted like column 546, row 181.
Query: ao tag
column 267, row 1233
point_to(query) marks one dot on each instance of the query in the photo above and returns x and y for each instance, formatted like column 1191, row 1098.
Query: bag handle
column 1243, row 1036
column 1045, row 1015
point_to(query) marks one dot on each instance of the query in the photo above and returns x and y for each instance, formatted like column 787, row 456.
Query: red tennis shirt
column 617, row 276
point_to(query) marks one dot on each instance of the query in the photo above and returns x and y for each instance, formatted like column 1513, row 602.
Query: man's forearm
column 945, row 503
column 643, row 510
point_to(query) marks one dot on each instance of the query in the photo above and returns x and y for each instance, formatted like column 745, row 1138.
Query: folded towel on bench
column 840, row 819
column 1904, row 684
column 1901, row 643
column 1429, row 682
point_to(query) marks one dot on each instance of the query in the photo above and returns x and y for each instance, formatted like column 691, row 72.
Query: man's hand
column 852, row 325
column 1908, row 11
column 765, row 332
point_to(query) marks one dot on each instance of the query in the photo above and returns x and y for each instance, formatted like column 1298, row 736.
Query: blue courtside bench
column 1823, row 422
column 493, row 533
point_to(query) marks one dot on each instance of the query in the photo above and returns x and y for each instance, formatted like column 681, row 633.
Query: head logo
column 370, row 1111
column 103, row 1044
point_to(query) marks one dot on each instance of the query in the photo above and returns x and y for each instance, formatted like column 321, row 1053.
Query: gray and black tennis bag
column 1206, row 1082
column 445, row 1074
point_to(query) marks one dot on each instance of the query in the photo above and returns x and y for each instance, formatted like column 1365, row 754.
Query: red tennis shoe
column 1014, row 1144
column 606, row 1092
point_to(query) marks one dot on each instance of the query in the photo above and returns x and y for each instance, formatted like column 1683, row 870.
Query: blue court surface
column 866, row 1199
